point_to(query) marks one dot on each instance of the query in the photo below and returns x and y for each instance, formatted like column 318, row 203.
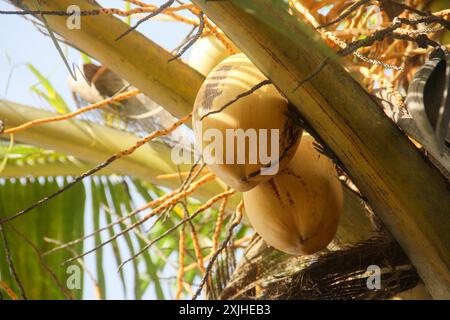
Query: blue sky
column 22, row 43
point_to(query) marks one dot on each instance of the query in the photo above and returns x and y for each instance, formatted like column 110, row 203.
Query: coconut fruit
column 207, row 53
column 253, row 138
column 298, row 211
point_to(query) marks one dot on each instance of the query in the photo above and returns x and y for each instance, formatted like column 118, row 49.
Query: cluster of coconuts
column 296, row 208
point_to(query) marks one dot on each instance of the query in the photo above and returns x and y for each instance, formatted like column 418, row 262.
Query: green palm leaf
column 62, row 219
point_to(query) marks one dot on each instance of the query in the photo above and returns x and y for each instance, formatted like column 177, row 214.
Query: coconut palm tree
column 340, row 64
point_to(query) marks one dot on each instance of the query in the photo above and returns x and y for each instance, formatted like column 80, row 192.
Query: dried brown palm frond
column 340, row 274
column 381, row 44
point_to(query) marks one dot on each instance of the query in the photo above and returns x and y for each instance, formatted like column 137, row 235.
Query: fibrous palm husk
column 343, row 274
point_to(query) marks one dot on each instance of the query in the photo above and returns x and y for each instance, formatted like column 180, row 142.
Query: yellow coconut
column 252, row 139
column 207, row 53
column 298, row 211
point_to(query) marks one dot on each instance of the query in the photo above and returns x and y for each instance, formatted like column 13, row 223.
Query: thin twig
column 109, row 225
column 99, row 293
column 377, row 62
column 190, row 43
column 239, row 96
column 184, row 185
column 50, row 12
column 339, row 42
column 67, row 116
column 186, row 39
column 10, row 263
column 236, row 221
column 422, row 40
column 104, row 164
column 219, row 223
column 204, row 179
column 237, row 244
column 313, row 73
column 197, row 248
column 428, row 15
column 345, row 14
column 181, row 253
column 53, row 276
column 370, row 40
column 406, row 7
column 219, row 36
column 151, row 15
column 381, row 34
column 149, row 205
column 8, row 291
column 207, row 205
column 195, row 241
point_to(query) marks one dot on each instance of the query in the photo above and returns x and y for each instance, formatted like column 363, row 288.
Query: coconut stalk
column 404, row 189
column 135, row 58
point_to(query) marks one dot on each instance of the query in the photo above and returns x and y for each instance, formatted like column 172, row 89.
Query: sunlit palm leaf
column 62, row 218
